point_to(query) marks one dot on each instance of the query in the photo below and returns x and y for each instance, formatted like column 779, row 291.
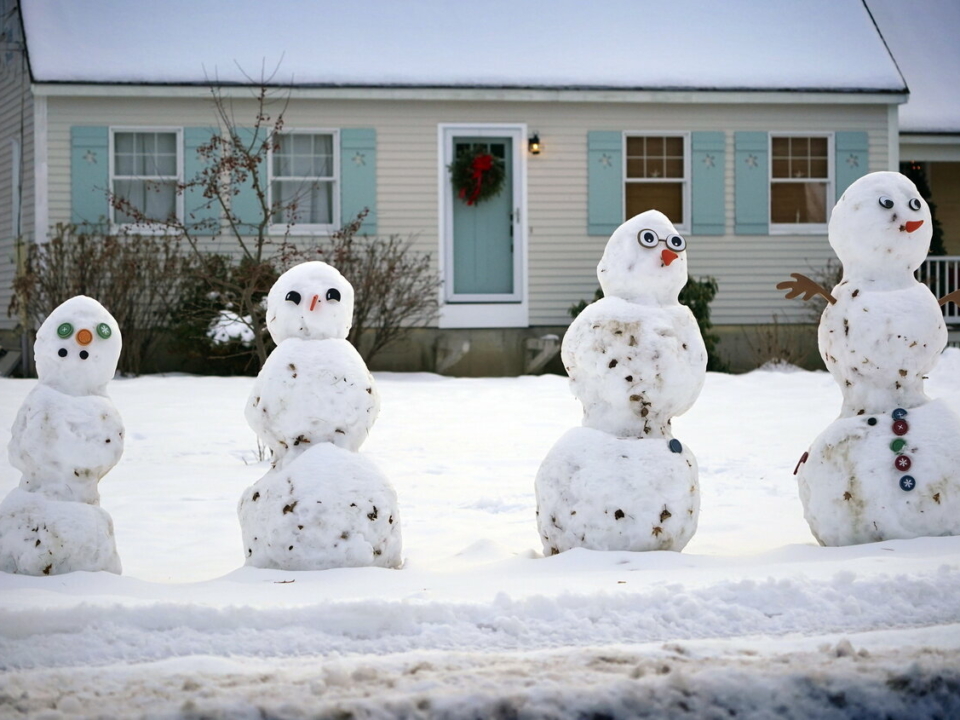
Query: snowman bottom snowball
column 601, row 492
column 328, row 508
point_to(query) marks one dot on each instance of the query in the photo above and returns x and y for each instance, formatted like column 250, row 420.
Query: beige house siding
column 562, row 256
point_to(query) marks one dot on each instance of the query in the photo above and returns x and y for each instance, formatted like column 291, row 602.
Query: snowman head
column 881, row 227
column 644, row 261
column 78, row 347
column 310, row 301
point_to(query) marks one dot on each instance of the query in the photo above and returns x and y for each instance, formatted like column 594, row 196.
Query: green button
column 898, row 445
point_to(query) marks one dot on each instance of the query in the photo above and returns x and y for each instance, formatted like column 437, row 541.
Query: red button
column 900, row 427
column 902, row 463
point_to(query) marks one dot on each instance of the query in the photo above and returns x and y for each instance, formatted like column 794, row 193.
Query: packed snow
column 753, row 618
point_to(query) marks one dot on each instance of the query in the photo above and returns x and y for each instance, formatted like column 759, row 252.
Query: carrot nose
column 313, row 303
column 84, row 337
column 668, row 256
column 912, row 225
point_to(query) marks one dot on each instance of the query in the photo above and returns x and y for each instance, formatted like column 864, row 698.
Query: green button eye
column 65, row 330
column 104, row 331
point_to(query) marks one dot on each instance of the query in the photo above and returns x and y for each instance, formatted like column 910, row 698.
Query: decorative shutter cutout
column 851, row 158
column 196, row 208
column 708, row 157
column 358, row 176
column 752, row 183
column 604, row 182
column 89, row 174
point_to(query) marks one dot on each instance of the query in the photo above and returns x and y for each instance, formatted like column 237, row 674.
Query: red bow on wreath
column 480, row 166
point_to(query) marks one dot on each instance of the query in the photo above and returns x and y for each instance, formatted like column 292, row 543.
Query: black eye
column 333, row 294
column 677, row 243
column 885, row 202
column 62, row 352
column 293, row 296
column 914, row 203
column 84, row 354
column 648, row 238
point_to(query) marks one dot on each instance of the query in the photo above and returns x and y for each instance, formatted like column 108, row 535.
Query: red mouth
column 912, row 225
column 668, row 256
column 313, row 303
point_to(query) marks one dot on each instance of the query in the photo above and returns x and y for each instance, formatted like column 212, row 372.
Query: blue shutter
column 244, row 204
column 358, row 176
column 852, row 156
column 604, row 182
column 196, row 208
column 89, row 174
column 752, row 183
column 708, row 156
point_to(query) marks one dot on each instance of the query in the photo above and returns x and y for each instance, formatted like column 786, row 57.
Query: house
column 744, row 121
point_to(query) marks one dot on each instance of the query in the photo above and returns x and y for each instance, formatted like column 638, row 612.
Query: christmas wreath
column 477, row 175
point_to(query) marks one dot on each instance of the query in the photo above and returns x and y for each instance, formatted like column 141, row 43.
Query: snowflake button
column 907, row 483
column 902, row 463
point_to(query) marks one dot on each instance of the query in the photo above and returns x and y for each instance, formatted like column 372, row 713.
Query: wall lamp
column 533, row 144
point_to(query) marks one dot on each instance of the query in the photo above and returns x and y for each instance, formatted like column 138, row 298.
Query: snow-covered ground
column 753, row 619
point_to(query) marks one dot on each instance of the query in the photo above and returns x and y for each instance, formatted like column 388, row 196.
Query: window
column 145, row 172
column 303, row 179
column 656, row 176
column 801, row 182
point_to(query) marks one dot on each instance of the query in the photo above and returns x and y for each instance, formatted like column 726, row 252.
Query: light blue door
column 483, row 247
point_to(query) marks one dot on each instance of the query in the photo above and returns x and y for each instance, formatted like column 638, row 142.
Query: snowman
column 67, row 435
column 322, row 504
column 889, row 466
column 635, row 360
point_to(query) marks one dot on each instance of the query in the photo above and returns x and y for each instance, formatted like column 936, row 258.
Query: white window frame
column 801, row 228
column 299, row 228
column 684, row 226
column 148, row 229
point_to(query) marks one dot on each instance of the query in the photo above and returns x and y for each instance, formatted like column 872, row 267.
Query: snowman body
column 67, row 435
column 321, row 505
column 889, row 466
column 635, row 360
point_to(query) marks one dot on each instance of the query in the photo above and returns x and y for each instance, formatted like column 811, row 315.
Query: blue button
column 899, row 414
column 675, row 446
column 907, row 483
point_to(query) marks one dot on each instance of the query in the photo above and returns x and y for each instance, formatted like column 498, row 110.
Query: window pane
column 634, row 167
column 818, row 168
column 780, row 146
column 665, row 197
column 674, row 168
column 123, row 142
column 305, row 203
column 132, row 190
column 655, row 168
column 674, row 146
column 654, row 146
column 161, row 201
column 798, row 203
column 818, row 147
column 123, row 164
column 635, row 146
column 781, row 168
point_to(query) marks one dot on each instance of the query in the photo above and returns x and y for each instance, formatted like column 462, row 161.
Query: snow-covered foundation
column 635, row 360
column 321, row 505
column 65, row 438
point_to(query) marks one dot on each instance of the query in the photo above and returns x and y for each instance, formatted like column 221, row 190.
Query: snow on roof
column 924, row 37
column 622, row 44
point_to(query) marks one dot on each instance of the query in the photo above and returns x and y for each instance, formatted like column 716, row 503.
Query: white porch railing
column 942, row 275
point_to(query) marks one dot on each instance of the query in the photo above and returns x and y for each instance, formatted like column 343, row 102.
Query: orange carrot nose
column 668, row 256
column 84, row 337
column 912, row 225
column 313, row 303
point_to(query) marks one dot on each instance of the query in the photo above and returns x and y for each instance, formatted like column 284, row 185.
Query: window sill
column 153, row 230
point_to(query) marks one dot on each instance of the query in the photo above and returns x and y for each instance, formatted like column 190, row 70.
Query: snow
column 922, row 35
column 752, row 617
column 623, row 44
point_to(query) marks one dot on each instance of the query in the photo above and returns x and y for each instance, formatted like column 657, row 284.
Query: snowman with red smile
column 889, row 466
column 635, row 360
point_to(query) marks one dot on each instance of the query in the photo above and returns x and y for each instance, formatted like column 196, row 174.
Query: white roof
column 924, row 36
column 622, row 44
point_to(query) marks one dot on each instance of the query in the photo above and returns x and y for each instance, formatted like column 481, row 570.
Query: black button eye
column 885, row 202
column 648, row 238
column 333, row 294
column 914, row 203
column 676, row 243
column 84, row 354
column 62, row 352
column 293, row 296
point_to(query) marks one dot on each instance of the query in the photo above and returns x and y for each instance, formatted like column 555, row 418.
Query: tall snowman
column 889, row 466
column 322, row 504
column 67, row 435
column 635, row 360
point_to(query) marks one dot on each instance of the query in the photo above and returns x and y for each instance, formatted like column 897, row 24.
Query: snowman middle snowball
column 322, row 504
column 635, row 359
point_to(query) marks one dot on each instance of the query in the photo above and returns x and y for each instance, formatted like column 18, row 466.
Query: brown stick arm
column 802, row 285
column 953, row 297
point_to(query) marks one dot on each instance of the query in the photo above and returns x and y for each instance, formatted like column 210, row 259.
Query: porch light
column 533, row 144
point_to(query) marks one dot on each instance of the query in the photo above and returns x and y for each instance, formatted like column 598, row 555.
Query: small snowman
column 65, row 438
column 889, row 466
column 635, row 360
column 322, row 504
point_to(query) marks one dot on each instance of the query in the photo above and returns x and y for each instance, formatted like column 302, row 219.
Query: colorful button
column 65, row 330
column 675, row 446
column 104, row 331
column 899, row 414
column 898, row 445
column 84, row 337
column 907, row 483
column 900, row 427
column 902, row 463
